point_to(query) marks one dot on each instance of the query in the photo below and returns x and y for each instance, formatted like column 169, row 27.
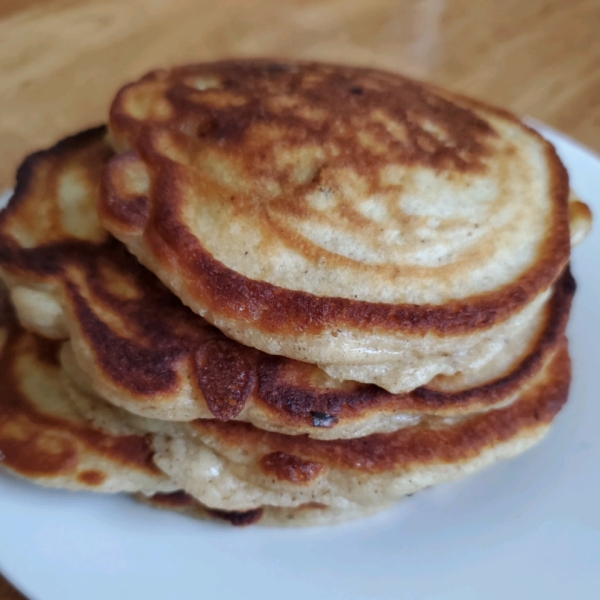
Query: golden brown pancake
column 134, row 343
column 379, row 227
column 235, row 466
column 45, row 440
column 305, row 515
column 581, row 219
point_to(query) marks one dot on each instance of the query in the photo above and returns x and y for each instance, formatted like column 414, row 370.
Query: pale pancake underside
column 306, row 515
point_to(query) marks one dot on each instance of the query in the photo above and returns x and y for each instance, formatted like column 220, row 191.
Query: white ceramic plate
column 529, row 528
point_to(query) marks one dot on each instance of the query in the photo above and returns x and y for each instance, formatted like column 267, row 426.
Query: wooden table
column 62, row 60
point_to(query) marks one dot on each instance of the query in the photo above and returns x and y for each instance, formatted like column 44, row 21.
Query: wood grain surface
column 62, row 60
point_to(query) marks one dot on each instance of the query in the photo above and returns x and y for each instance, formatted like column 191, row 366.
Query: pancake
column 43, row 439
column 306, row 515
column 381, row 228
column 110, row 426
column 296, row 398
column 580, row 217
column 235, row 466
column 134, row 343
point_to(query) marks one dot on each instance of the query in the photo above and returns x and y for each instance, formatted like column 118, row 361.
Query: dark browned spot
column 291, row 468
column 225, row 376
column 47, row 350
column 178, row 499
column 92, row 477
column 312, row 506
column 236, row 517
column 321, row 419
column 205, row 125
column 7, row 313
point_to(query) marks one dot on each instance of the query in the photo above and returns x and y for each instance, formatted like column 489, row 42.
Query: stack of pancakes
column 292, row 292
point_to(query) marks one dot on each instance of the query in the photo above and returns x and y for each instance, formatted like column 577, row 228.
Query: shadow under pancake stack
column 286, row 293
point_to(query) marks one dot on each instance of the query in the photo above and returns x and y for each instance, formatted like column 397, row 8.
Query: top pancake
column 334, row 214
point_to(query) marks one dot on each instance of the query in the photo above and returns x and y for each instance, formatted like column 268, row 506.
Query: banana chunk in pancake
column 134, row 343
column 381, row 228
column 44, row 439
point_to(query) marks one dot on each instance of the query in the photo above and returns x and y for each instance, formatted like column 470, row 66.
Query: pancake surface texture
column 132, row 342
column 379, row 227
